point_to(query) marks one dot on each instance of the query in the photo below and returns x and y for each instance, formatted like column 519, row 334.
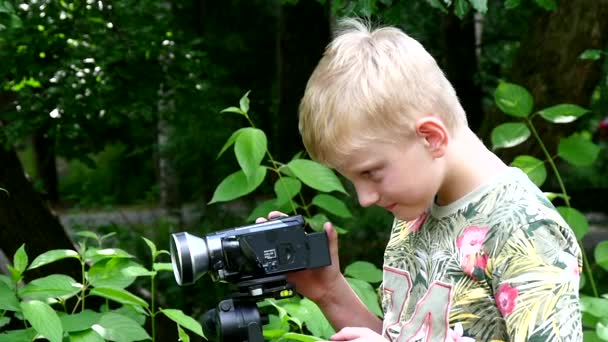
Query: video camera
column 255, row 258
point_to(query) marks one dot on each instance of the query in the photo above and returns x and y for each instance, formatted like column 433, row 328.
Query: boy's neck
column 469, row 165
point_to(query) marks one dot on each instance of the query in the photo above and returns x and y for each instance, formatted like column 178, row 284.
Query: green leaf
column 438, row 4
column 115, row 327
column 294, row 312
column 332, row 205
column 88, row 234
column 264, row 208
column 52, row 256
column 94, row 255
column 244, row 102
column 514, row 100
column 578, row 150
column 184, row 320
column 509, row 134
column 461, row 8
column 183, row 336
column 591, row 54
column 8, row 298
column 18, row 335
column 511, row 4
column 118, row 295
column 137, row 271
column 552, row 195
column 594, row 306
column 233, row 110
column 43, row 319
column 4, row 321
column 250, row 148
column 315, row 175
column 533, row 167
column 601, row 256
column 110, row 273
column 591, row 336
column 314, row 319
column 602, row 329
column 230, row 141
column 576, row 220
column 563, row 113
column 52, row 286
column 286, row 188
column 367, row 294
column 365, row 271
column 134, row 312
column 480, row 5
column 237, row 185
column 151, row 247
column 88, row 335
column 20, row 259
column 549, row 5
column 79, row 321
column 316, row 222
column 292, row 336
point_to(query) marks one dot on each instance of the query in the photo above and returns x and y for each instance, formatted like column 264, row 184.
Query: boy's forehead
column 361, row 158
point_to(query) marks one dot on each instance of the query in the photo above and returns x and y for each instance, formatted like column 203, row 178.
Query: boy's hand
column 315, row 284
column 357, row 334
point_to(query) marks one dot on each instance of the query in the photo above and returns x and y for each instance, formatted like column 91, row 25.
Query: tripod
column 237, row 318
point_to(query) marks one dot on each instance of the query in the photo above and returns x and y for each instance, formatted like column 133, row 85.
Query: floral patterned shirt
column 499, row 264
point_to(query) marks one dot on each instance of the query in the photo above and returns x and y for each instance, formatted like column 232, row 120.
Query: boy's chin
column 409, row 215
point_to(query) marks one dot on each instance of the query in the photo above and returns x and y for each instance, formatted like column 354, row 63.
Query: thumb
column 332, row 238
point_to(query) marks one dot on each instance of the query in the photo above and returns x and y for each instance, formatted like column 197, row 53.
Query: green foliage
column 55, row 307
column 577, row 150
column 295, row 318
column 250, row 147
column 112, row 176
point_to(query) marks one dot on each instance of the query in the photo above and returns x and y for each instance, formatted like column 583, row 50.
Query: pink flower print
column 473, row 261
column 415, row 226
column 456, row 334
column 471, row 239
column 505, row 299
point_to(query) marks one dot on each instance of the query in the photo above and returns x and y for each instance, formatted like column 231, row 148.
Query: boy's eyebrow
column 366, row 165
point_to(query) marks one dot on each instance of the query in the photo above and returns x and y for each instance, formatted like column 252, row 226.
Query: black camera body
column 255, row 258
column 249, row 252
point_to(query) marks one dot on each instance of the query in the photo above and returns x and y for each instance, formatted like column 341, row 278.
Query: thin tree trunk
column 46, row 165
column 460, row 64
column 304, row 31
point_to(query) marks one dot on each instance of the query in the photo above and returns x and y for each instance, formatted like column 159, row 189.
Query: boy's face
column 402, row 178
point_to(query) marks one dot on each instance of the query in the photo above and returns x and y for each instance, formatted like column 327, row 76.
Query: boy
column 476, row 253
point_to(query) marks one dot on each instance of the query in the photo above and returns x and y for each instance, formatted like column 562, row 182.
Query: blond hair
column 371, row 85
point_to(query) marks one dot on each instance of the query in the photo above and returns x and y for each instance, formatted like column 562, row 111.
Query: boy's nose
column 367, row 197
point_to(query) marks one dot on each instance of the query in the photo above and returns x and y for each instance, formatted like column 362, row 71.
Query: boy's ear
column 435, row 134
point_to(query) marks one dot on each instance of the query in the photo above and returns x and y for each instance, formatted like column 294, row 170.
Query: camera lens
column 189, row 256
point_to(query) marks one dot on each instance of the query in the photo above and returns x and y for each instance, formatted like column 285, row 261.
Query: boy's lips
column 390, row 206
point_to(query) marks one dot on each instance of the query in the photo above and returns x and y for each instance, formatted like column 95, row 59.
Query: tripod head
column 237, row 318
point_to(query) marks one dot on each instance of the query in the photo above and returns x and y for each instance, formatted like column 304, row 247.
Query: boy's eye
column 370, row 174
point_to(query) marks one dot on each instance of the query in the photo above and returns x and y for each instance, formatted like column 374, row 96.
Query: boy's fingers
column 275, row 214
column 271, row 215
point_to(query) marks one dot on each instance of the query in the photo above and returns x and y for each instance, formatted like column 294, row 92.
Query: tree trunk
column 304, row 31
column 25, row 219
column 46, row 165
column 460, row 64
column 547, row 65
